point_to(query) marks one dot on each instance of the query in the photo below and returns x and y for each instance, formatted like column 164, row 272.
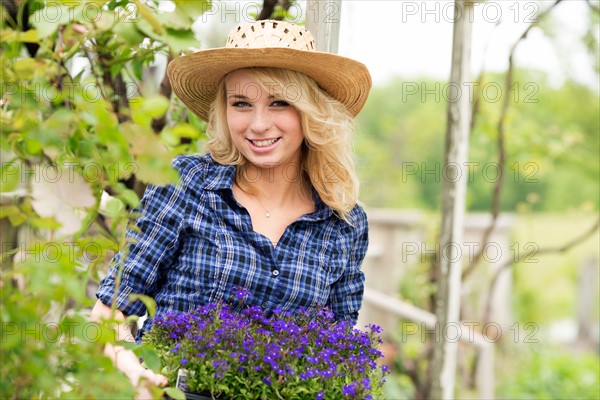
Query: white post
column 323, row 21
column 453, row 207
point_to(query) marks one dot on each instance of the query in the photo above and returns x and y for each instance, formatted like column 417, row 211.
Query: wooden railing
column 400, row 239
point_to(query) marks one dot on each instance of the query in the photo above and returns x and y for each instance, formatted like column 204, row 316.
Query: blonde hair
column 327, row 156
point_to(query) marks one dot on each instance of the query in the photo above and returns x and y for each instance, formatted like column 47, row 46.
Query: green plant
column 246, row 354
column 83, row 129
column 552, row 373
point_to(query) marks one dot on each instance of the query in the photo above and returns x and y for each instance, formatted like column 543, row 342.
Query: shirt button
column 265, row 304
column 275, row 272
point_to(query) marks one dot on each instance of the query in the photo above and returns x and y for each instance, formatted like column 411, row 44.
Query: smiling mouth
column 263, row 143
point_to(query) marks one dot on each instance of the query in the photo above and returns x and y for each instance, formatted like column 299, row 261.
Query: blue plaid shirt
column 194, row 244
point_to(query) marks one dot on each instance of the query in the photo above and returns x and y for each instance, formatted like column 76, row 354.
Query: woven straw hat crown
column 271, row 34
column 195, row 78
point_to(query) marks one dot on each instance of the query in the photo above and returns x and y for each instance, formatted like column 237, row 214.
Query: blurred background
column 543, row 308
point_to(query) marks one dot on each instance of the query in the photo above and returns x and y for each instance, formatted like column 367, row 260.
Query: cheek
column 235, row 123
column 296, row 127
column 292, row 122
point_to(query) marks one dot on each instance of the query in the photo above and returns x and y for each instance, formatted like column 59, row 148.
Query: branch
column 477, row 96
column 499, row 184
column 411, row 367
column 165, row 90
column 560, row 249
column 95, row 72
column 269, row 8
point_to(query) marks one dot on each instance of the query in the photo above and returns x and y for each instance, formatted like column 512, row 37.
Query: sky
column 414, row 38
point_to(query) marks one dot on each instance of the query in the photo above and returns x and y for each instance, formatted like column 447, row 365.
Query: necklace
column 267, row 211
column 255, row 197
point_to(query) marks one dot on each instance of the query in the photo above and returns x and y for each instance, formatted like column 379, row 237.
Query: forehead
column 242, row 82
column 237, row 76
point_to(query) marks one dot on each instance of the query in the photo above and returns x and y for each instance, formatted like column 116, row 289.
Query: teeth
column 263, row 143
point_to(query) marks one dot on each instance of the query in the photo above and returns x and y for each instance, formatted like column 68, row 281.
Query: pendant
column 267, row 214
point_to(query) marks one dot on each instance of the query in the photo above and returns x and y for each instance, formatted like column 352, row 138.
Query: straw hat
column 195, row 77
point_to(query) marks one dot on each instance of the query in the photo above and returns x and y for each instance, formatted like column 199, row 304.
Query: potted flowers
column 222, row 352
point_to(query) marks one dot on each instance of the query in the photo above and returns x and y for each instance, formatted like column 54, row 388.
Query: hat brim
column 195, row 78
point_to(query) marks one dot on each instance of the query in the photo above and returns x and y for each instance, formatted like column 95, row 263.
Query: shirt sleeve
column 347, row 294
column 152, row 243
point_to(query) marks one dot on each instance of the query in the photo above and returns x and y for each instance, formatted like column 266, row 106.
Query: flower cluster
column 247, row 355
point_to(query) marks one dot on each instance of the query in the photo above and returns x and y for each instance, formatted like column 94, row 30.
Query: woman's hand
column 126, row 360
column 143, row 379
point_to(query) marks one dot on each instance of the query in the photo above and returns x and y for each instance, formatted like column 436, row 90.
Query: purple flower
column 349, row 390
column 230, row 345
column 242, row 294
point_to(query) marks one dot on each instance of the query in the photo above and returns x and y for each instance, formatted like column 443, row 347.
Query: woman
column 272, row 207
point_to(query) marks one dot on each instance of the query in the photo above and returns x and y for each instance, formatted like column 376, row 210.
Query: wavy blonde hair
column 327, row 154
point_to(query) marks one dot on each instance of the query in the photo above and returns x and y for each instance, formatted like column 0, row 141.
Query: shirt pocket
column 311, row 277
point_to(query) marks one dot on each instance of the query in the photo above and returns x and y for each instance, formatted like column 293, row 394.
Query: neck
column 273, row 185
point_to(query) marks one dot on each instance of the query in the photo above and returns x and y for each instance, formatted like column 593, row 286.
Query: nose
column 261, row 121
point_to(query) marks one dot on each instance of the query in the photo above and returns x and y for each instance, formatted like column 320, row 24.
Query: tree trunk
column 323, row 21
column 453, row 208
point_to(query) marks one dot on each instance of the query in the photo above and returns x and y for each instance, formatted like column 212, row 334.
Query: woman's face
column 264, row 127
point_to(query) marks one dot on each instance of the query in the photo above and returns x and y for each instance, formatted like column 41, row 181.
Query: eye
column 280, row 103
column 240, row 104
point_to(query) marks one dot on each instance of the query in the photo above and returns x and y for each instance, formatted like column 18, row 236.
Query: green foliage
column 399, row 387
column 83, row 129
column 552, row 374
column 551, row 141
column 546, row 286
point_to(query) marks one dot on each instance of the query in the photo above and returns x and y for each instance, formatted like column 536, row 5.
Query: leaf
column 105, row 20
column 184, row 130
column 33, row 145
column 128, row 33
column 25, row 68
column 111, row 206
column 174, row 393
column 59, row 193
column 138, row 69
column 151, row 358
column 175, row 20
column 180, row 40
column 10, row 175
column 13, row 213
column 129, row 197
column 48, row 19
column 143, row 110
column 156, row 106
column 133, row 346
column 148, row 302
column 193, row 8
column 152, row 157
column 9, row 35
column 62, row 122
column 148, row 14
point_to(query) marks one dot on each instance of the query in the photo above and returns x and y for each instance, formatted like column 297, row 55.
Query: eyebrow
column 243, row 97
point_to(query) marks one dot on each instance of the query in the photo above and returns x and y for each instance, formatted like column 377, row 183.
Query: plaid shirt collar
column 223, row 176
